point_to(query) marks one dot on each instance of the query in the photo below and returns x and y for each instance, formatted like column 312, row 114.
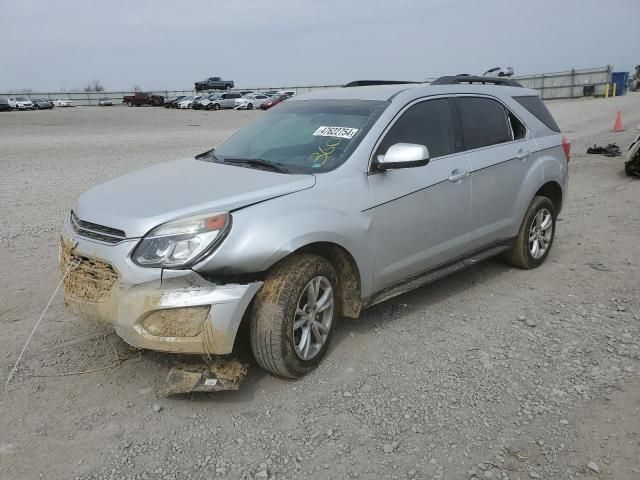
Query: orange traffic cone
column 617, row 126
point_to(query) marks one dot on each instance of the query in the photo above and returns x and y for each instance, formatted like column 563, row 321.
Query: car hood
column 142, row 200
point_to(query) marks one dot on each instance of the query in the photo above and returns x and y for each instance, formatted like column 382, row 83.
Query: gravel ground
column 491, row 373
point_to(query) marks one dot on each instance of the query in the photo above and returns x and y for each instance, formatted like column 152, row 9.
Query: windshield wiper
column 209, row 154
column 258, row 162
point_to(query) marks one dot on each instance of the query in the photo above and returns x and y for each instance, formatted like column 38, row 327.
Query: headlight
column 183, row 242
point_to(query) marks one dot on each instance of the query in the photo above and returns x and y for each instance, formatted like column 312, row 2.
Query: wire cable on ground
column 35, row 327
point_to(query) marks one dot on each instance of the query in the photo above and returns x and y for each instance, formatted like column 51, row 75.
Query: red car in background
column 273, row 101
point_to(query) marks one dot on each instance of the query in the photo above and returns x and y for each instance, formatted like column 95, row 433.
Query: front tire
column 249, row 106
column 293, row 315
column 536, row 234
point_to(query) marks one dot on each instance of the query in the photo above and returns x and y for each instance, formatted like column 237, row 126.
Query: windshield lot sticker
column 324, row 152
column 340, row 132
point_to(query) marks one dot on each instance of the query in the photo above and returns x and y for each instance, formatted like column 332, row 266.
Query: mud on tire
column 274, row 310
column 520, row 254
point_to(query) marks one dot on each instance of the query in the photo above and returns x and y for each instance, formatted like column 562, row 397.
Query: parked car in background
column 206, row 102
column 41, row 103
column 214, row 83
column 171, row 102
column 315, row 211
column 142, row 98
column 288, row 93
column 226, row 100
column 251, row 101
column 105, row 102
column 187, row 102
column 499, row 72
column 273, row 101
column 20, row 103
column 197, row 102
column 4, row 105
column 62, row 102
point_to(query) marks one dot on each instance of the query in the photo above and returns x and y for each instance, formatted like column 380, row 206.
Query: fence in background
column 567, row 84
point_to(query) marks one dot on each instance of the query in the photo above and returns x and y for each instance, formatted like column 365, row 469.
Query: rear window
column 539, row 110
column 483, row 122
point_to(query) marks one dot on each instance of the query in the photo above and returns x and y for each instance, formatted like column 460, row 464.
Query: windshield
column 21, row 99
column 304, row 136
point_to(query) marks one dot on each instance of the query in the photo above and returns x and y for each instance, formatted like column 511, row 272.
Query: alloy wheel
column 313, row 317
column 540, row 233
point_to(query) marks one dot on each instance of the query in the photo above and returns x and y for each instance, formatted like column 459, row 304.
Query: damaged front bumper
column 170, row 311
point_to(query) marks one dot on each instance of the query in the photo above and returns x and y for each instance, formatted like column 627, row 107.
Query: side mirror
column 403, row 155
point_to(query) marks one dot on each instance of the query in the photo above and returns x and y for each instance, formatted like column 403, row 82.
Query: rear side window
column 426, row 123
column 539, row 110
column 484, row 122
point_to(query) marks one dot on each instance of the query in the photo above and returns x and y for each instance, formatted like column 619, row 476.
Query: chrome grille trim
column 97, row 232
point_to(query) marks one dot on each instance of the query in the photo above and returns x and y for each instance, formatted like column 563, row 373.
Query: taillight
column 566, row 146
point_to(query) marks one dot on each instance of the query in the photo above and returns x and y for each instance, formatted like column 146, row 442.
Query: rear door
column 502, row 155
column 420, row 216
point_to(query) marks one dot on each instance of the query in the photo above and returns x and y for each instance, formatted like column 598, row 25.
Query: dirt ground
column 491, row 373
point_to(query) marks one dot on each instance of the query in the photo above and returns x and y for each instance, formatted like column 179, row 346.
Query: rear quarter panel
column 550, row 153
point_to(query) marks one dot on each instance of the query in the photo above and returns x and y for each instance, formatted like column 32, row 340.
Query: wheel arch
column 347, row 271
column 553, row 191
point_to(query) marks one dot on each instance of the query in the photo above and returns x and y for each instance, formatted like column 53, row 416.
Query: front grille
column 86, row 279
column 96, row 232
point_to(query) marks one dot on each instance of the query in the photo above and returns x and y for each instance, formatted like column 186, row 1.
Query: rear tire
column 287, row 315
column 628, row 170
column 538, row 228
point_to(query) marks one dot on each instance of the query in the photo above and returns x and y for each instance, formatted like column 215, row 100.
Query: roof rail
column 367, row 83
column 458, row 79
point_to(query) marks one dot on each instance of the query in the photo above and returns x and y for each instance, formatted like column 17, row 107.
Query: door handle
column 522, row 154
column 457, row 175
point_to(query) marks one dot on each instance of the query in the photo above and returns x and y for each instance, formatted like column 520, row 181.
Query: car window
column 304, row 136
column 517, row 127
column 427, row 123
column 539, row 110
column 483, row 122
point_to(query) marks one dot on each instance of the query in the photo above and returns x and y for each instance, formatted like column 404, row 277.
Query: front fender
column 266, row 233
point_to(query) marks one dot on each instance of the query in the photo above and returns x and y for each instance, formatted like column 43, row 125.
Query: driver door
column 420, row 216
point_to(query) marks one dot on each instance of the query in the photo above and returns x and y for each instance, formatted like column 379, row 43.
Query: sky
column 50, row 45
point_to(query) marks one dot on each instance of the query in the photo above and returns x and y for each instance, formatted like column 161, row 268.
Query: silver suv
column 328, row 204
